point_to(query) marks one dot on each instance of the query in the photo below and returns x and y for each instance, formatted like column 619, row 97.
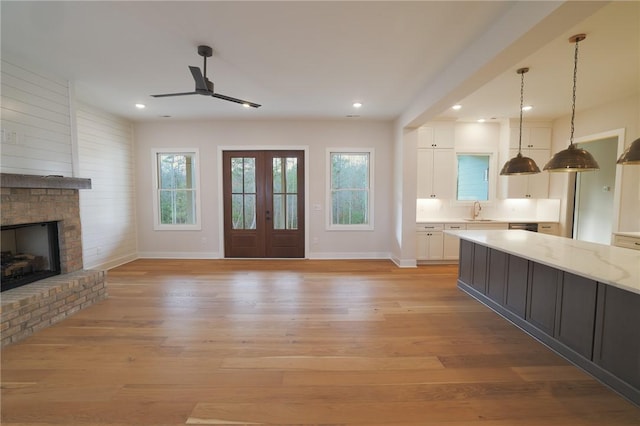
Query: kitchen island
column 581, row 299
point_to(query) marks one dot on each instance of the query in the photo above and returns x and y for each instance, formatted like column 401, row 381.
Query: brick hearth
column 32, row 199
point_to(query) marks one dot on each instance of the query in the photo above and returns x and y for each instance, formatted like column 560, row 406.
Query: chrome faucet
column 476, row 209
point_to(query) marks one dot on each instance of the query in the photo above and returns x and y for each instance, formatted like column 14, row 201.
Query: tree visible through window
column 176, row 188
column 350, row 187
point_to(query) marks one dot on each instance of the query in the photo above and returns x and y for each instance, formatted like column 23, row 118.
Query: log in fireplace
column 30, row 252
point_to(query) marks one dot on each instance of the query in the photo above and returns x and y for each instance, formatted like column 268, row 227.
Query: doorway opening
column 596, row 194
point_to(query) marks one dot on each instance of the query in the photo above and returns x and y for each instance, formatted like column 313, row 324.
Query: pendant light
column 573, row 159
column 631, row 155
column 520, row 165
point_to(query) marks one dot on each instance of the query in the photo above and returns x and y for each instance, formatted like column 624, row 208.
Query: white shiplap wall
column 36, row 128
column 107, row 211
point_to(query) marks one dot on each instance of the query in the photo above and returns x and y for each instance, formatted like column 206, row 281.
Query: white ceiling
column 307, row 59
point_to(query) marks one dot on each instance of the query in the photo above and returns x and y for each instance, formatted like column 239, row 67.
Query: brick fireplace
column 34, row 199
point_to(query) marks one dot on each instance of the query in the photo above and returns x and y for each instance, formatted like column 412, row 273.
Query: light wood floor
column 294, row 342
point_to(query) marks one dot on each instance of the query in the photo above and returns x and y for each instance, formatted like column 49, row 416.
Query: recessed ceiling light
column 357, row 104
column 246, row 105
column 527, row 108
column 141, row 106
column 482, row 120
column 456, row 107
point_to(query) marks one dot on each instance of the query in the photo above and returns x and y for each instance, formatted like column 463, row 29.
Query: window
column 176, row 199
column 350, row 194
column 473, row 177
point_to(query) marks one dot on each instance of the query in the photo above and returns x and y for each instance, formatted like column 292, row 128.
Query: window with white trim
column 176, row 201
column 350, row 189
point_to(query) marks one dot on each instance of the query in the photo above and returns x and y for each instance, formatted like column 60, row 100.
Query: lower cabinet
column 517, row 279
column 617, row 336
column 429, row 245
column 594, row 325
column 577, row 315
column 542, row 297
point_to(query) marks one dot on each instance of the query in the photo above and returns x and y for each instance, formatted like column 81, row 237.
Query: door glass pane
column 277, row 175
column 292, row 175
column 237, row 175
column 278, row 211
column 250, row 175
column 292, row 211
column 237, row 211
column 249, row 211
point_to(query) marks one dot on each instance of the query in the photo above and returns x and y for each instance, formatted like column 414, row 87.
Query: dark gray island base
column 594, row 325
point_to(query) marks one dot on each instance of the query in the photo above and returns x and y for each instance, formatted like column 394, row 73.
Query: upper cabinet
column 532, row 138
column 536, row 144
column 436, row 160
column 436, row 135
column 435, row 173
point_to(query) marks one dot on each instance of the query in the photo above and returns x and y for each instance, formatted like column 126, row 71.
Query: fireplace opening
column 30, row 252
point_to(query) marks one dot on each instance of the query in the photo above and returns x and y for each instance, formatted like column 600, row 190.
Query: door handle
column 268, row 213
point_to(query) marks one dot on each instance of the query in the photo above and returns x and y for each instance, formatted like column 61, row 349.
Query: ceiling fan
column 203, row 85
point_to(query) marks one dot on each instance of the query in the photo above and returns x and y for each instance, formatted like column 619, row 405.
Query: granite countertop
column 611, row 265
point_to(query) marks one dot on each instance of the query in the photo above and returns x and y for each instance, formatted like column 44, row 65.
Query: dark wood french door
column 263, row 204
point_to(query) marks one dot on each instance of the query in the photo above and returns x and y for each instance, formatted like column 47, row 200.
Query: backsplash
column 533, row 210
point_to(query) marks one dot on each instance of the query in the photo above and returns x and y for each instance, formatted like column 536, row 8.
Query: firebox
column 30, row 252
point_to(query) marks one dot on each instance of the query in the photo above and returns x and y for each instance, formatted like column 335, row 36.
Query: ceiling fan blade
column 175, row 94
column 201, row 83
column 236, row 100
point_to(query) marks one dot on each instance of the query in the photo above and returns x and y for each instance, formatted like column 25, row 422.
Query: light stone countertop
column 611, row 265
column 483, row 221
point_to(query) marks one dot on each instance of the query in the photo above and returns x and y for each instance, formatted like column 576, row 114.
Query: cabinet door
column 543, row 297
column 538, row 184
column 480, row 263
column 451, row 246
column 435, row 173
column 577, row 313
column 514, row 186
column 497, row 281
column 444, row 135
column 435, row 245
column 443, row 173
column 425, row 137
column 466, row 261
column 517, row 278
column 539, row 138
column 422, row 246
column 617, row 339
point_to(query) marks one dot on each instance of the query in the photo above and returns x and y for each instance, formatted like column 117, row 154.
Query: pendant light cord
column 521, row 105
column 573, row 104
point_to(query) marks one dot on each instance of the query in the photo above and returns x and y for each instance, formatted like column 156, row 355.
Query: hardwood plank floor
column 230, row 342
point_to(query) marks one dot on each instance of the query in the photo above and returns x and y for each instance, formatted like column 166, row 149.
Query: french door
column 263, row 204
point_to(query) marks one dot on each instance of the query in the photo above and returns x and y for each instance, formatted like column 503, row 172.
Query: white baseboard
column 349, row 256
column 404, row 263
column 179, row 255
column 112, row 263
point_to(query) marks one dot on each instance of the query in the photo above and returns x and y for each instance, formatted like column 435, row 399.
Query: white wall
column 107, row 211
column 36, row 125
column 622, row 114
column 317, row 135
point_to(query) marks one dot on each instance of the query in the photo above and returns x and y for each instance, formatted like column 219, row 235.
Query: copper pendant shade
column 573, row 159
column 631, row 155
column 520, row 165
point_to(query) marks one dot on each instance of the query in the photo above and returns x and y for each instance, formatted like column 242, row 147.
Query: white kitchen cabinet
column 429, row 239
column 485, row 225
column 436, row 135
column 627, row 241
column 435, row 173
column 451, row 243
column 550, row 228
column 527, row 186
column 532, row 138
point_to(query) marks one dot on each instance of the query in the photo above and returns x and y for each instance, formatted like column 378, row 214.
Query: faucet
column 476, row 209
